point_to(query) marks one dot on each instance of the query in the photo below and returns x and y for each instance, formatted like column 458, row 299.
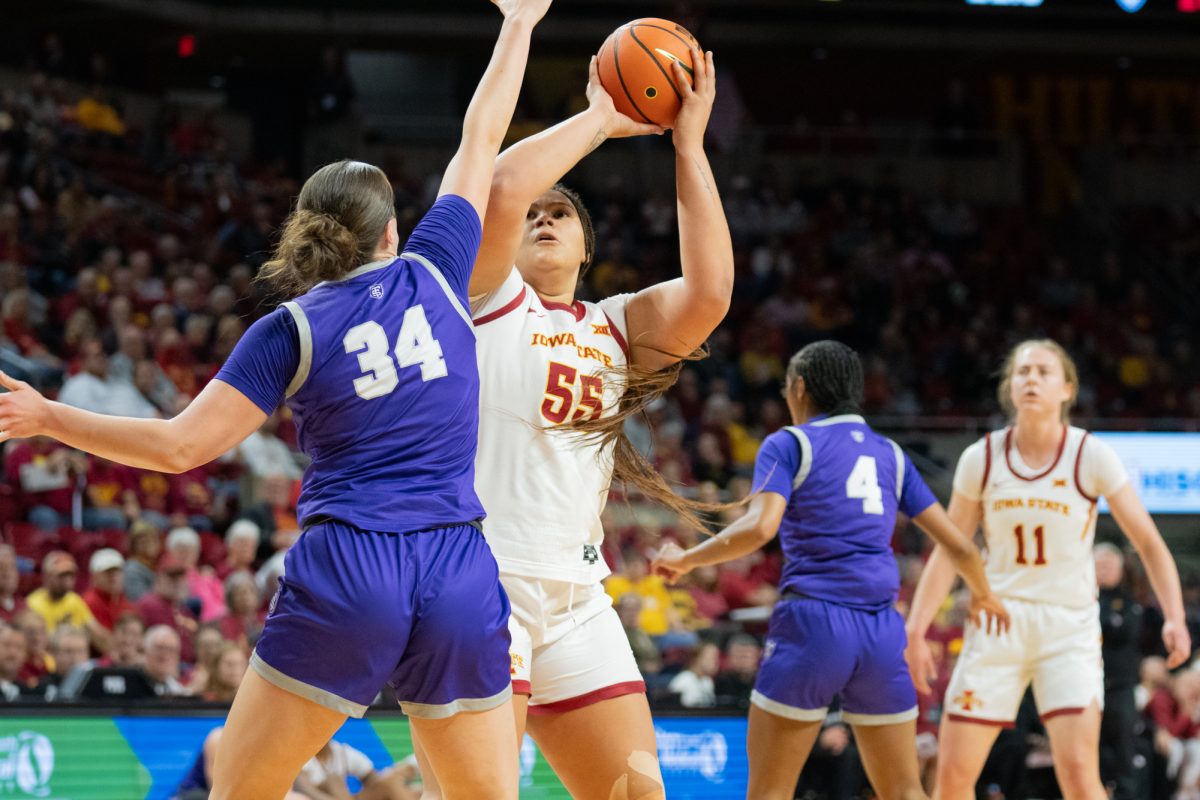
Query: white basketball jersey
column 1039, row 524
column 542, row 364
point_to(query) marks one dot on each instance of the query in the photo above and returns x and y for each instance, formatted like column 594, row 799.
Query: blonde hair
column 1070, row 374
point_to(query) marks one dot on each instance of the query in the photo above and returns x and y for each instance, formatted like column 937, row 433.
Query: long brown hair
column 342, row 212
column 1070, row 374
column 641, row 386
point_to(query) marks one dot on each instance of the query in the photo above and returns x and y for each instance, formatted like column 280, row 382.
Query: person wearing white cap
column 106, row 597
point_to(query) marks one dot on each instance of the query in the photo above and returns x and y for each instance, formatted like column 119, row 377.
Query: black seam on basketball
column 617, row 64
column 657, row 63
column 686, row 44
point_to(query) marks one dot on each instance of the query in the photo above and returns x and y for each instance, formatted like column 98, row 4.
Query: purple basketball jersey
column 844, row 485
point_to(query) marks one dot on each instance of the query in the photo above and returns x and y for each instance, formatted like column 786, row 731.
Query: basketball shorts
column 423, row 612
column 568, row 647
column 1055, row 648
column 816, row 650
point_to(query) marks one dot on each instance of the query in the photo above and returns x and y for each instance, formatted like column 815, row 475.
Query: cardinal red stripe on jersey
column 1062, row 445
column 575, row 308
column 500, row 312
column 522, row 687
column 1078, row 461
column 616, row 334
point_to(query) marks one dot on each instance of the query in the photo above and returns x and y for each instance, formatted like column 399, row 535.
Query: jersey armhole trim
column 1078, row 462
column 304, row 335
column 505, row 309
column 441, row 279
column 616, row 334
column 805, row 456
column 899, row 468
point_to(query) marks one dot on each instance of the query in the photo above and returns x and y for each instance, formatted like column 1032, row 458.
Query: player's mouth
column 544, row 237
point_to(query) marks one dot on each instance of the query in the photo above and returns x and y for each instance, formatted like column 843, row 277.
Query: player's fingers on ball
column 681, row 80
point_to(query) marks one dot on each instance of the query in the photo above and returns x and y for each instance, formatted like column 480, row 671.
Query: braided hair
column 833, row 376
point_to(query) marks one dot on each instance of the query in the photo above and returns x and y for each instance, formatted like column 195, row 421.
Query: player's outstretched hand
column 22, row 410
column 619, row 125
column 533, row 10
column 669, row 563
column 920, row 664
column 692, row 120
column 1178, row 642
column 990, row 614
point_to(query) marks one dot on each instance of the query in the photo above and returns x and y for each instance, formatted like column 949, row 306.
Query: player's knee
column 641, row 779
column 1077, row 772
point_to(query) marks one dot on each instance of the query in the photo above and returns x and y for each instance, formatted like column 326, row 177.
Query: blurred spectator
column 243, row 622
column 241, row 546
column 38, row 661
column 94, row 390
column 127, row 642
column 266, row 455
column 69, row 649
column 748, row 581
column 58, row 603
column 703, row 587
column 1176, row 717
column 208, row 643
column 97, row 113
column 324, row 776
column 734, row 684
column 1153, row 678
column 131, row 356
column 165, row 606
column 1120, row 627
column 694, row 685
column 42, row 470
column 10, row 581
column 162, row 648
column 225, row 674
column 657, row 617
column 111, row 502
column 104, row 596
column 12, row 659
column 184, row 545
column 145, row 547
column 645, row 652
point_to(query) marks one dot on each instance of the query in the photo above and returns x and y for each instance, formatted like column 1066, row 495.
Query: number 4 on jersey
column 863, row 484
column 415, row 345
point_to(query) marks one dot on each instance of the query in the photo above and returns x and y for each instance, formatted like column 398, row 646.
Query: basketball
column 635, row 68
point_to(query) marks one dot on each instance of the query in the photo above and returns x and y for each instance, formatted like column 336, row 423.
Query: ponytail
column 314, row 247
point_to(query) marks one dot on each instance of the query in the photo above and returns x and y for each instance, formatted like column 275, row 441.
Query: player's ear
column 391, row 237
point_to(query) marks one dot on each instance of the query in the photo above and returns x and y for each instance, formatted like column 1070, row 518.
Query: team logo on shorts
column 377, row 291
column 590, row 554
column 768, row 649
column 967, row 701
column 857, row 436
column 517, row 663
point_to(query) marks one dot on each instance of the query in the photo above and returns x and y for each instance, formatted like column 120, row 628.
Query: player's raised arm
column 469, row 174
column 670, row 320
column 215, row 421
column 1133, row 519
column 531, row 166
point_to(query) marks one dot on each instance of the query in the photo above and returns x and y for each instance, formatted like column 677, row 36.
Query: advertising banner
column 63, row 757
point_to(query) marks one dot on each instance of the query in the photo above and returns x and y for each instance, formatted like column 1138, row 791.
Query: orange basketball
column 635, row 68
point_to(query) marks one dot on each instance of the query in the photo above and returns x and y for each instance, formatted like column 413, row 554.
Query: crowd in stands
column 127, row 265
